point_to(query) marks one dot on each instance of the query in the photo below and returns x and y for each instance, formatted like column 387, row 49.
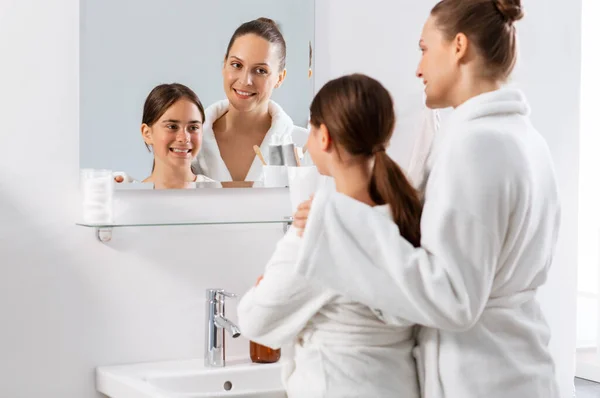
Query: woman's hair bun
column 510, row 9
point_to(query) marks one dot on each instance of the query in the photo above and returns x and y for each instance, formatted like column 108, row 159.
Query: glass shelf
column 104, row 231
column 182, row 224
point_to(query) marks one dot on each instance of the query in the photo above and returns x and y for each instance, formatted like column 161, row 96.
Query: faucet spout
column 229, row 326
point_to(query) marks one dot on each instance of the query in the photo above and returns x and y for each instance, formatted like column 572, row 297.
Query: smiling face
column 251, row 72
column 176, row 137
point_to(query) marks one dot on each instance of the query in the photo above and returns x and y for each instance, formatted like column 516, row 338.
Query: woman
column 489, row 226
column 172, row 131
column 343, row 349
column 254, row 66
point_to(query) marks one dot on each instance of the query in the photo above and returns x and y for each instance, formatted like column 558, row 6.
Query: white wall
column 589, row 189
column 67, row 302
column 381, row 39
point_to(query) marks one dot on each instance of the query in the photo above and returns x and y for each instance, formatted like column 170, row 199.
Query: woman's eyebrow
column 241, row 60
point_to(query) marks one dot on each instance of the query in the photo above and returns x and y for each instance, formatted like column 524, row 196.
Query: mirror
column 131, row 47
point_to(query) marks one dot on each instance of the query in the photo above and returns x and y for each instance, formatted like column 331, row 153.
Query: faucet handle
column 220, row 294
column 227, row 294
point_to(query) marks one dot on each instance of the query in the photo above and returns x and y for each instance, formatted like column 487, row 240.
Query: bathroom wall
column 69, row 303
column 379, row 40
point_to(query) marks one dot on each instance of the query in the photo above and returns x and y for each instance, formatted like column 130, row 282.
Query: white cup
column 97, row 191
column 275, row 176
column 303, row 181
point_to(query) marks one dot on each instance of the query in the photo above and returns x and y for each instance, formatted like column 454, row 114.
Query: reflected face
column 251, row 72
column 438, row 67
column 176, row 137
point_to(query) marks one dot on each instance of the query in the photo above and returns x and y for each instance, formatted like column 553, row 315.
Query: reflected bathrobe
column 342, row 349
column 209, row 161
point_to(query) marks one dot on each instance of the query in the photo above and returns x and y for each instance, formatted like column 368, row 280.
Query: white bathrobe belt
column 427, row 351
column 365, row 338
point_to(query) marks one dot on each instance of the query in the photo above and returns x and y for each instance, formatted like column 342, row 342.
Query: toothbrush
column 259, row 154
column 296, row 156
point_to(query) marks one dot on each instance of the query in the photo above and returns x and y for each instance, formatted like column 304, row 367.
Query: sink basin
column 190, row 379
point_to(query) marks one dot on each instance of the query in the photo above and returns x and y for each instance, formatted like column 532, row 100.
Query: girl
column 342, row 348
column 490, row 222
column 172, row 130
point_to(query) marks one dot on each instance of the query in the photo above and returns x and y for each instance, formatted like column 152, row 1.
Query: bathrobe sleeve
column 274, row 312
column 444, row 284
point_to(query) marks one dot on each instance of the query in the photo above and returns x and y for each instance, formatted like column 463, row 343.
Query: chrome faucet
column 216, row 325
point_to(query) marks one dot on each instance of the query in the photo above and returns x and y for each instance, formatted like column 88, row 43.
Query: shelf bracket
column 287, row 224
column 104, row 235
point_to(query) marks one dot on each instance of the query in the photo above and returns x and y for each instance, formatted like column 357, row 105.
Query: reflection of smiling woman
column 172, row 127
column 254, row 66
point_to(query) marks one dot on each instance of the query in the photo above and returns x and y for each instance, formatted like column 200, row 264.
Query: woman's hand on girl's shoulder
column 301, row 216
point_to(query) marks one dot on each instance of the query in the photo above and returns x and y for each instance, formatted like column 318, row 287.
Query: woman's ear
column 281, row 78
column 461, row 45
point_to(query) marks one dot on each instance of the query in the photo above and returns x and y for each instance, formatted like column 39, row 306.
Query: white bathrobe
column 489, row 228
column 419, row 165
column 342, row 349
column 209, row 161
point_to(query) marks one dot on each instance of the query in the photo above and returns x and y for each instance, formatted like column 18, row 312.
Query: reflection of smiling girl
column 254, row 66
column 172, row 127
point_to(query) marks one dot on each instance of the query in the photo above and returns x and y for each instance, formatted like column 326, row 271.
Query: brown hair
column 162, row 97
column 359, row 114
column 265, row 28
column 489, row 24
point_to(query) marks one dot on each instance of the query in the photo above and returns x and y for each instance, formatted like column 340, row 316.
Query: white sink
column 190, row 379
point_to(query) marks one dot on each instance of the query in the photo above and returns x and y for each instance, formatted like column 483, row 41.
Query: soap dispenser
column 261, row 354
